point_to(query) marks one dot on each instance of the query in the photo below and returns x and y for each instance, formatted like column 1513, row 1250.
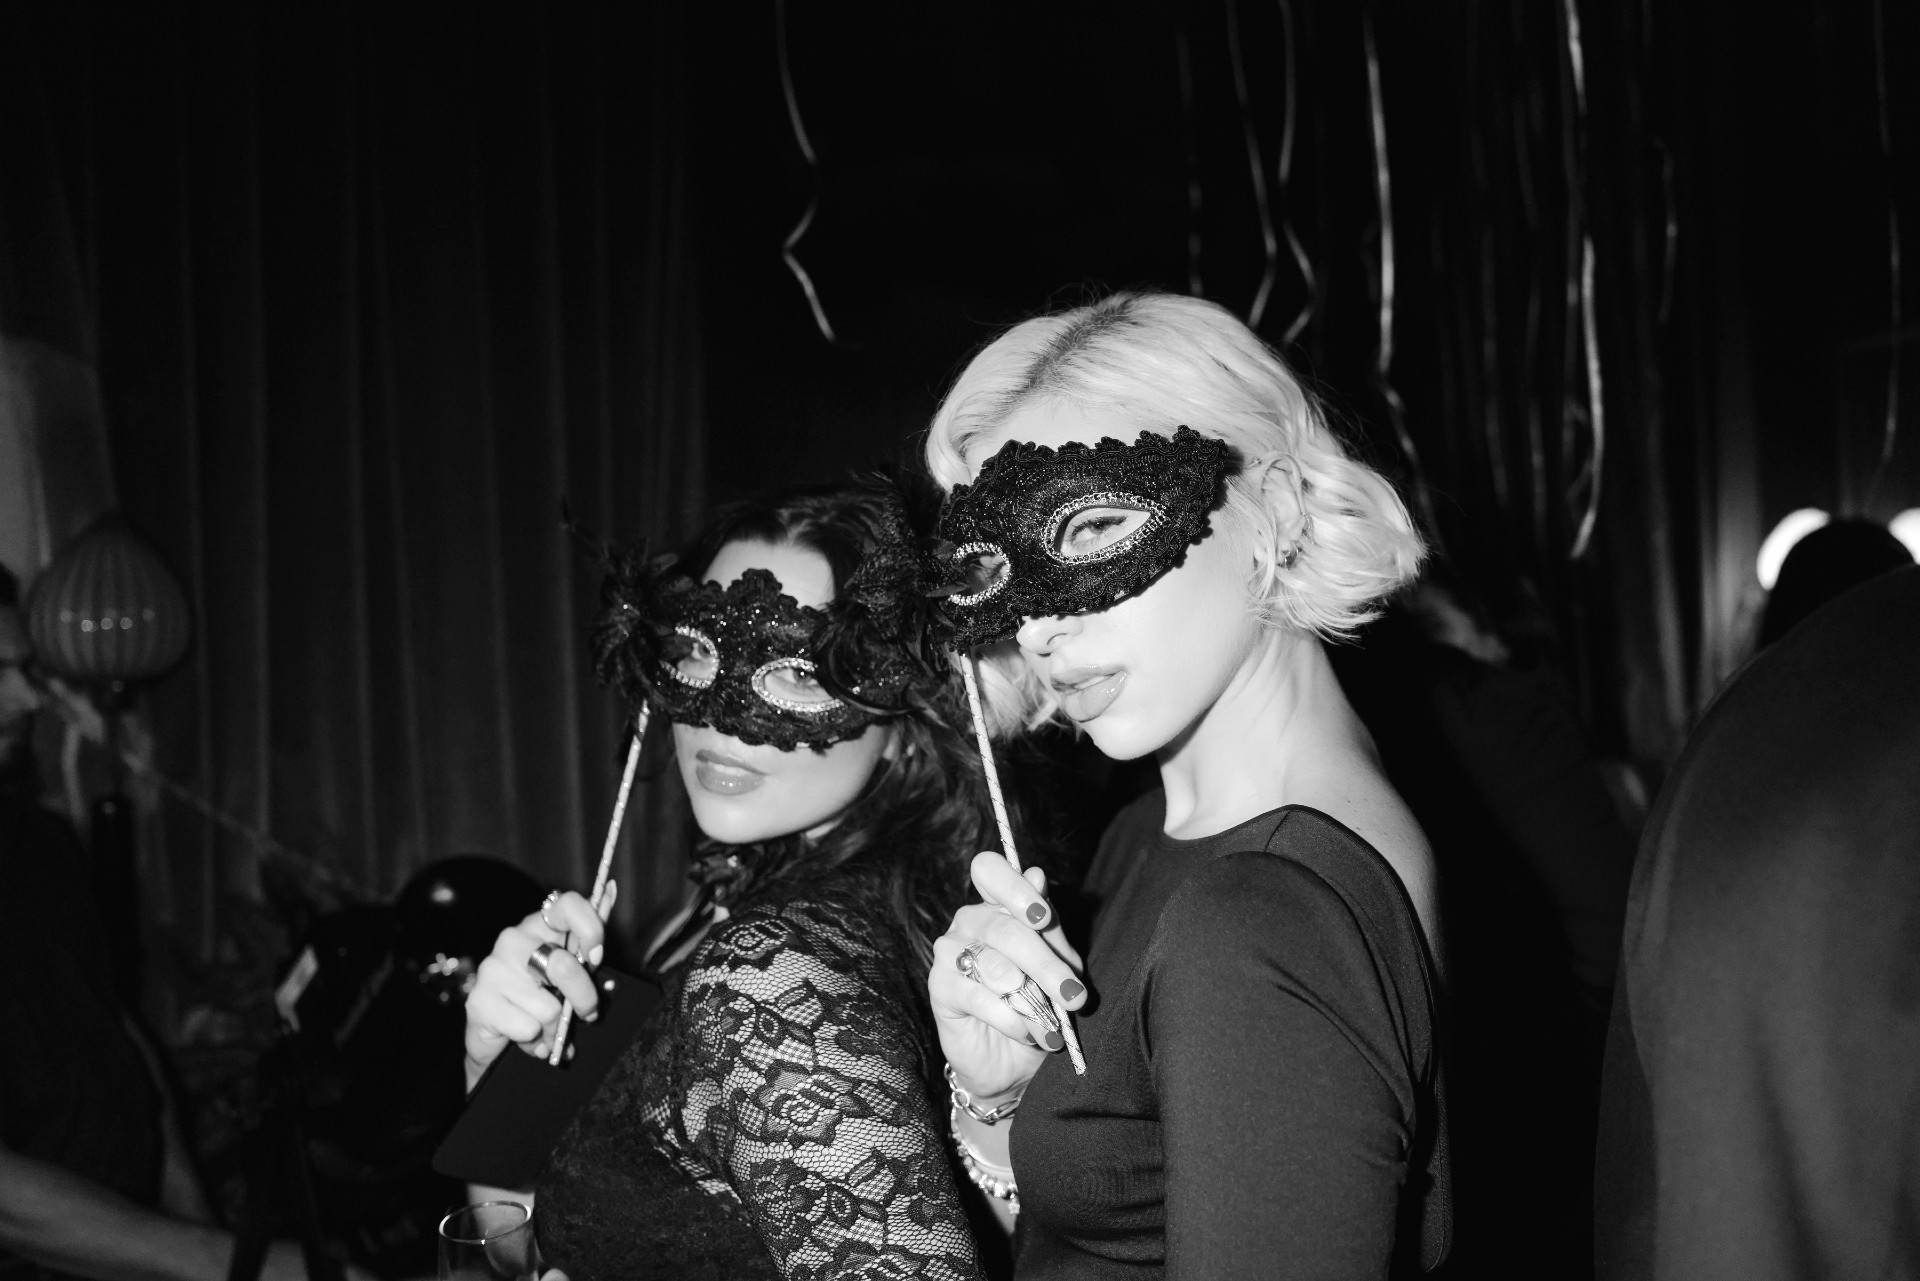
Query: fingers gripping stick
column 606, row 865
column 1006, row 837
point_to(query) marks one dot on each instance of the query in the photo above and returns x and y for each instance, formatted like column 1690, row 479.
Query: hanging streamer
column 1890, row 432
column 1589, row 333
column 1283, row 171
column 1194, row 192
column 1596, row 402
column 813, row 166
column 1258, row 171
column 1383, row 355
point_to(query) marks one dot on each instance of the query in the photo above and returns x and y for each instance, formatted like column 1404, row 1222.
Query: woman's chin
column 734, row 820
column 1121, row 738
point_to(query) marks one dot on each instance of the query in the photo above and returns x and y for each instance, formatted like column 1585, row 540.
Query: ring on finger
column 968, row 962
column 1029, row 1001
column 553, row 896
column 537, row 963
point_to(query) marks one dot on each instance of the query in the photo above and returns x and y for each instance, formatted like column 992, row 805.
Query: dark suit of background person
column 1761, row 1097
column 94, row 1181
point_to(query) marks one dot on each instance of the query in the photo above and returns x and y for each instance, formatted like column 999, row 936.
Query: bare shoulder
column 1360, row 796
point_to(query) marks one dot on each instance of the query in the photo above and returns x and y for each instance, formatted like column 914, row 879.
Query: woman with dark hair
column 775, row 1118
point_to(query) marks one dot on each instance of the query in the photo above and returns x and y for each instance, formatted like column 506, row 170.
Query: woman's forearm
column 71, row 1224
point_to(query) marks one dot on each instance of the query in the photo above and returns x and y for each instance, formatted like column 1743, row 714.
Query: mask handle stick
column 967, row 662
column 606, row 864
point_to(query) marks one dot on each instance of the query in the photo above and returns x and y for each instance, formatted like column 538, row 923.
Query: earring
column 1292, row 556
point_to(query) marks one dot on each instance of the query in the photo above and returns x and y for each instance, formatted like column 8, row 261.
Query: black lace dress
column 773, row 1120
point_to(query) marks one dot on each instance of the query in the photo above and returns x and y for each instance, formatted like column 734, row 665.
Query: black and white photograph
column 1050, row 641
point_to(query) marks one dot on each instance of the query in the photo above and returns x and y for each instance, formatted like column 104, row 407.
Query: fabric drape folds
column 371, row 290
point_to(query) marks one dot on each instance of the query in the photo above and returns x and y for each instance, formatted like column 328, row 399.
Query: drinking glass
column 492, row 1241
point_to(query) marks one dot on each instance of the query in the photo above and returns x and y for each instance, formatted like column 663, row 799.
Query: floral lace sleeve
column 799, row 1089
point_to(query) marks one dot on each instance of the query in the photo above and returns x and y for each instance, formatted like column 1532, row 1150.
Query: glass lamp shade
column 107, row 609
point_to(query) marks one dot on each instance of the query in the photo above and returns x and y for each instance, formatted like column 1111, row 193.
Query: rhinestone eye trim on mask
column 1056, row 523
column 992, row 589
column 819, row 707
column 702, row 644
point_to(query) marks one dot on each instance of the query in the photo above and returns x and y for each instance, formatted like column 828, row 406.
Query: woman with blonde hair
column 1151, row 531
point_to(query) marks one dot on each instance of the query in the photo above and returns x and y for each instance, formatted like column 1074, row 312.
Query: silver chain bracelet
column 992, row 1180
column 985, row 1116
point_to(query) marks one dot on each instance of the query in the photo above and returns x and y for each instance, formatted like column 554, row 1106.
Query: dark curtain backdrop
column 982, row 162
column 370, row 290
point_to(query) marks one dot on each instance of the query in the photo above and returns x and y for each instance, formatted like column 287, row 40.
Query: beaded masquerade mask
column 1045, row 532
column 739, row 658
column 750, row 661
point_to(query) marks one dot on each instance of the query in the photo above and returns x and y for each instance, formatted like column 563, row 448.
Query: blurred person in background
column 1760, row 1114
column 1827, row 562
column 95, row 1177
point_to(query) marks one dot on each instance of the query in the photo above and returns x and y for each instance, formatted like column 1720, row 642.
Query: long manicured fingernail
column 1071, row 990
column 1053, row 1040
column 1036, row 913
column 594, row 956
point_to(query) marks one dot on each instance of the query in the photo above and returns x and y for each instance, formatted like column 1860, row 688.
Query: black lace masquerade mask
column 739, row 658
column 1044, row 532
column 750, row 661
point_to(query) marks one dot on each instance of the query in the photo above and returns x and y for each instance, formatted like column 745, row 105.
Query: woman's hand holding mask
column 1011, row 936
column 510, row 1003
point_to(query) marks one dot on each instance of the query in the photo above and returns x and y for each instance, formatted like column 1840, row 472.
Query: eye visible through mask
column 1043, row 532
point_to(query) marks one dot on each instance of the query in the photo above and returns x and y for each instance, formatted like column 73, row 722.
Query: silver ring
column 1030, row 1002
column 968, row 962
column 542, row 956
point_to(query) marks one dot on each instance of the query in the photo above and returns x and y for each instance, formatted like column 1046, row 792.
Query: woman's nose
column 1041, row 635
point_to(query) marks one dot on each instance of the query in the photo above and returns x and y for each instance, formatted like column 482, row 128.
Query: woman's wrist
column 989, row 1171
column 987, row 1109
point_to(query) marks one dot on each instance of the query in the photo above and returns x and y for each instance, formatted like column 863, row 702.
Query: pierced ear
column 1281, row 490
column 893, row 749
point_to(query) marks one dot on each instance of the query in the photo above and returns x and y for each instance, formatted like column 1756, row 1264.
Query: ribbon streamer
column 1270, row 243
column 1383, row 355
column 813, row 166
column 606, row 864
column 1006, row 835
column 1596, row 401
column 1582, row 290
column 1283, row 172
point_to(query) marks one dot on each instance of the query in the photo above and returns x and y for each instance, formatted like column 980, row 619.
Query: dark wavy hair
column 900, row 852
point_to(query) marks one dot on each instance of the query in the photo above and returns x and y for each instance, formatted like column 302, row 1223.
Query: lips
column 724, row 775
column 1086, row 692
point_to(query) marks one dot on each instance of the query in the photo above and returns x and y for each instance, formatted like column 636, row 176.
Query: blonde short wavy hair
column 1153, row 362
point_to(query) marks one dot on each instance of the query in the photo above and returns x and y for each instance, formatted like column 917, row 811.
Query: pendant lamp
column 107, row 614
column 107, row 611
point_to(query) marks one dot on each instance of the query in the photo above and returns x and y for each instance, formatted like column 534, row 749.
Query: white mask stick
column 1006, row 836
column 606, row 864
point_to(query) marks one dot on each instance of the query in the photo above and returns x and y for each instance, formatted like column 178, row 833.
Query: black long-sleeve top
column 1262, row 1094
column 773, row 1121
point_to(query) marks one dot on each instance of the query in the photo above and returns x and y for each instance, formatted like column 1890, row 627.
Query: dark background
column 366, row 290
